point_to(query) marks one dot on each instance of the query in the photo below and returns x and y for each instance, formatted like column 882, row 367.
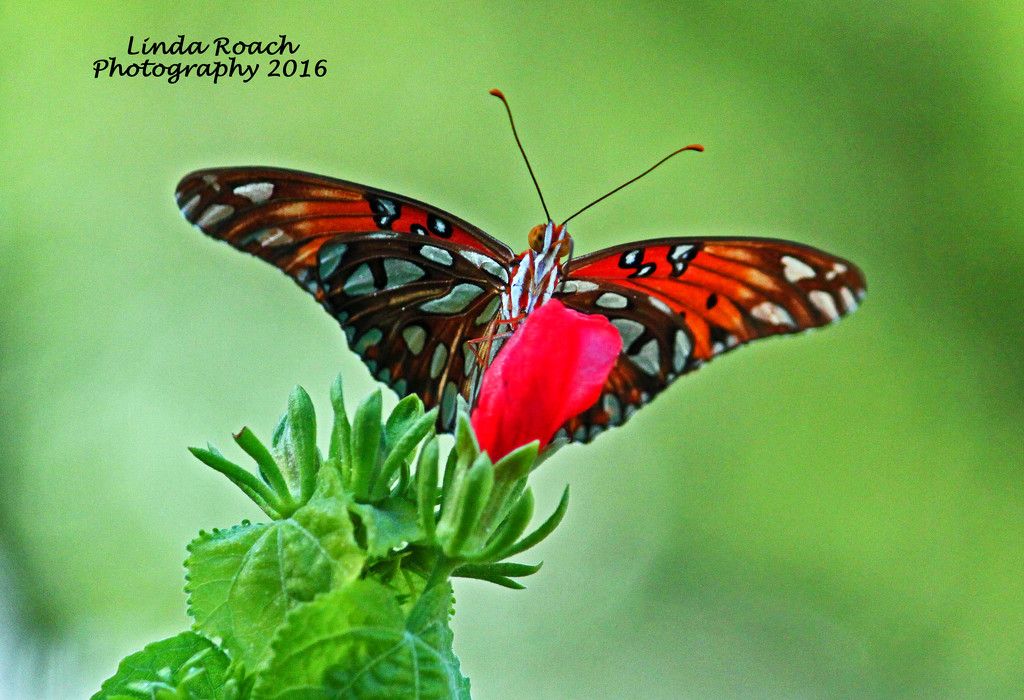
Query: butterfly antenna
column 501, row 96
column 693, row 147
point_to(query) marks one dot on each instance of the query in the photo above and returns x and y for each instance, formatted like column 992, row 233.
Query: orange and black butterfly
column 426, row 298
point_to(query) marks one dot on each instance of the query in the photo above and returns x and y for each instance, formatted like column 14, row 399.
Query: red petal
column 551, row 369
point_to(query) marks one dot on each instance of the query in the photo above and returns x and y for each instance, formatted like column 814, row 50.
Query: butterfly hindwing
column 409, row 283
column 678, row 302
column 408, row 307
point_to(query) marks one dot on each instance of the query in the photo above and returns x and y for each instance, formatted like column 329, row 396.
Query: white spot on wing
column 438, row 361
column 273, row 236
column 629, row 329
column 401, row 272
column 256, row 192
column 649, row 358
column 214, row 215
column 575, row 286
column 837, row 269
column 449, row 403
column 186, row 209
column 359, row 282
column 611, row 300
column 486, row 263
column 368, row 339
column 772, row 313
column 330, row 257
column 415, row 337
column 796, row 270
column 660, row 305
column 681, row 349
column 848, row 300
column 824, row 302
column 454, row 301
column 488, row 313
column 438, row 255
column 610, row 403
column 496, row 269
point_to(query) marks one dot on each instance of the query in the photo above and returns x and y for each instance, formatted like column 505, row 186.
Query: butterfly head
column 551, row 237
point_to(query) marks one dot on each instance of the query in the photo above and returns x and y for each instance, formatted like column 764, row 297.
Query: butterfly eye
column 536, row 238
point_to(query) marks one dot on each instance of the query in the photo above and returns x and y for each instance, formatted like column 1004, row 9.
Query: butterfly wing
column 408, row 282
column 679, row 302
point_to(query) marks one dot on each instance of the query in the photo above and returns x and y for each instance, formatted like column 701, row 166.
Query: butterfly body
column 427, row 299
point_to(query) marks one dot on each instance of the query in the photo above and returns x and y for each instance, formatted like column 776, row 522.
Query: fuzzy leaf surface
column 243, row 581
column 389, row 524
column 356, row 642
column 162, row 662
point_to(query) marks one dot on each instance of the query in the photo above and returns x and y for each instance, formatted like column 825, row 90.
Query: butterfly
column 426, row 299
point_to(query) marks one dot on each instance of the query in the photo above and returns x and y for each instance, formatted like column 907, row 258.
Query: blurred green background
column 834, row 516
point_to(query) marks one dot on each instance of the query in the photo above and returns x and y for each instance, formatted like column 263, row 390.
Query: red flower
column 551, row 369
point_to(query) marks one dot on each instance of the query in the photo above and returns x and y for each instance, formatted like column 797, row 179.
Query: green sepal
column 546, row 528
column 366, row 444
column 184, row 666
column 340, row 450
column 426, row 487
column 405, row 413
column 510, row 530
column 466, row 446
column 509, row 481
column 459, row 531
column 488, row 572
column 451, row 463
column 508, row 568
column 402, row 448
column 294, row 445
column 268, row 467
column 516, row 464
column 499, row 573
column 252, row 487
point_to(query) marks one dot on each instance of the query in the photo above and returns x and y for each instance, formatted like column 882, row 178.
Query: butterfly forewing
column 679, row 302
column 409, row 283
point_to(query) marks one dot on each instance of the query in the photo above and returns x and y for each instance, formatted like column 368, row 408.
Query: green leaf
column 388, row 524
column 187, row 662
column 243, row 581
column 354, row 642
column 366, row 441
